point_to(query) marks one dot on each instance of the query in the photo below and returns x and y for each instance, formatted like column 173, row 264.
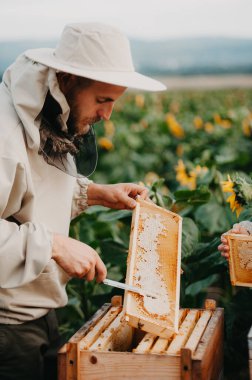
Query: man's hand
column 78, row 259
column 239, row 228
column 118, row 196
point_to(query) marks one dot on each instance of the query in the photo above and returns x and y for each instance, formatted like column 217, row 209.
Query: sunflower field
column 191, row 149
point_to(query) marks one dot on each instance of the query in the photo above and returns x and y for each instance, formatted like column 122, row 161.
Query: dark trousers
column 28, row 351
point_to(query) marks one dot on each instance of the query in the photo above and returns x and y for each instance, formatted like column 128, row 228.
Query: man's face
column 90, row 105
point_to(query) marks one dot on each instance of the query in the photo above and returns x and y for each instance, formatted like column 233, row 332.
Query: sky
column 142, row 19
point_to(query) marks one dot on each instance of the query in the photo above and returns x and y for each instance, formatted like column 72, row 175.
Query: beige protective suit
column 36, row 199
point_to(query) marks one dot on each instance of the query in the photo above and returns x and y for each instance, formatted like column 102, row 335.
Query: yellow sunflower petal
column 231, row 200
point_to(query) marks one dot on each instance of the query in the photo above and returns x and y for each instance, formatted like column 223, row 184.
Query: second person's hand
column 238, row 228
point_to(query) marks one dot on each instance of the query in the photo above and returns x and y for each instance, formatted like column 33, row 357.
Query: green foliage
column 211, row 133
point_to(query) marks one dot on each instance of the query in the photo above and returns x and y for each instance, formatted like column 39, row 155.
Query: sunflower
column 105, row 143
column 182, row 176
column 229, row 187
column 198, row 122
column 175, row 128
column 139, row 100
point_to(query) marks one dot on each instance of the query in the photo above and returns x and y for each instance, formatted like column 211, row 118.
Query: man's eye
column 100, row 101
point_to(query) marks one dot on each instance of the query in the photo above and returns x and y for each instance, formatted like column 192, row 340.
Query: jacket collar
column 28, row 83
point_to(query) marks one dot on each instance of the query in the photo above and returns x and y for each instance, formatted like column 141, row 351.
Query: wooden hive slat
column 103, row 338
column 161, row 344
column 102, row 324
column 240, row 260
column 185, row 330
column 146, row 343
column 90, row 323
column 116, row 337
column 198, row 331
column 68, row 355
column 122, row 338
column 154, row 265
column 208, row 356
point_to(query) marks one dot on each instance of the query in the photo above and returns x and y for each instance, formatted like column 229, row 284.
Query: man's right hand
column 78, row 259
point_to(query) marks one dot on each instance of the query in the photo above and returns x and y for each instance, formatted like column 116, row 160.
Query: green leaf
column 246, row 214
column 212, row 218
column 200, row 286
column 95, row 210
column 190, row 236
column 113, row 253
column 198, row 196
column 203, row 250
column 157, row 184
column 111, row 216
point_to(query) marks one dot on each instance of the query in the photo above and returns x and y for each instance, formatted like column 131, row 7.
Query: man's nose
column 106, row 111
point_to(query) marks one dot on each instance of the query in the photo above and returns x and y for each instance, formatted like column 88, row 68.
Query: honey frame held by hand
column 154, row 265
column 240, row 259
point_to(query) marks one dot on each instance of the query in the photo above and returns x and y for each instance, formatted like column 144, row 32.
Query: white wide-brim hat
column 95, row 51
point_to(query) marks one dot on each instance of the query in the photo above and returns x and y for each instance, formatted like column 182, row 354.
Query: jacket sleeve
column 25, row 249
column 79, row 203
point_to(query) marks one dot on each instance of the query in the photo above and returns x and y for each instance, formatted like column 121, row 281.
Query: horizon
column 140, row 39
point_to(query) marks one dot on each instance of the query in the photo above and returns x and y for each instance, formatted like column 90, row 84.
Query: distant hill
column 189, row 56
column 194, row 56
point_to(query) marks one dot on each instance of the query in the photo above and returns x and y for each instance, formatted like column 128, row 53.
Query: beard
column 78, row 126
column 76, row 123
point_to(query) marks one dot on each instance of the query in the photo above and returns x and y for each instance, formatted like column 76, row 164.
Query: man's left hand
column 118, row 196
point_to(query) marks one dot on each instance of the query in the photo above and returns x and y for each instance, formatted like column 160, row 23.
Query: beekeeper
column 49, row 101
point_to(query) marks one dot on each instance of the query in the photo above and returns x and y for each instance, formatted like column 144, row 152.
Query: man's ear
column 66, row 82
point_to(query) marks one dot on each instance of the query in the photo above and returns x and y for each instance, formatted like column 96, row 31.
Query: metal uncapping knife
column 130, row 288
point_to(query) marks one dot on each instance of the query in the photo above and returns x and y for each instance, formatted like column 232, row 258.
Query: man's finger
column 139, row 190
column 144, row 193
column 90, row 274
column 127, row 201
column 100, row 270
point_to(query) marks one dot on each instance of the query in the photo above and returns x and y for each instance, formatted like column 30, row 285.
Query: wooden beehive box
column 240, row 261
column 154, row 265
column 107, row 348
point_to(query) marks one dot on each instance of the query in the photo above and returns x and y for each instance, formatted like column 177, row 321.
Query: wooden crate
column 250, row 352
column 240, row 261
column 154, row 264
column 107, row 348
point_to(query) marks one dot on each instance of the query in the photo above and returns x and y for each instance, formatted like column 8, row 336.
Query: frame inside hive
column 107, row 347
column 240, row 260
column 109, row 331
column 112, row 333
column 154, row 265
